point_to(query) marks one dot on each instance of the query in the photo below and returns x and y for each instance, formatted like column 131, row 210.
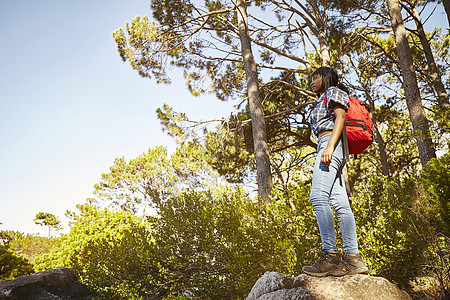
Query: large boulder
column 277, row 286
column 54, row 284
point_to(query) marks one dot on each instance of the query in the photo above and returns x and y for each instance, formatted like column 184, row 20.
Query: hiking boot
column 355, row 265
column 326, row 265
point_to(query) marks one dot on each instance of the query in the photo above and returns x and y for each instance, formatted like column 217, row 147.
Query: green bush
column 216, row 247
column 403, row 227
column 31, row 246
column 111, row 252
column 216, row 244
column 437, row 180
column 200, row 245
column 11, row 265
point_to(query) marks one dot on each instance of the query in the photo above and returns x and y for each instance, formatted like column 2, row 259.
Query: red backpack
column 359, row 125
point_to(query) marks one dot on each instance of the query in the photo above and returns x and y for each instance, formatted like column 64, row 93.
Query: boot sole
column 335, row 273
column 364, row 271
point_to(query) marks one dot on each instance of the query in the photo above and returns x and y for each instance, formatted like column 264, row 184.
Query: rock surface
column 277, row 286
column 54, row 284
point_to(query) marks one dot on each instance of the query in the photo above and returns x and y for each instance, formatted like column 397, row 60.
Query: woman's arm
column 339, row 113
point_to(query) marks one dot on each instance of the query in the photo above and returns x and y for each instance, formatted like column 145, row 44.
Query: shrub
column 111, row 252
column 403, row 227
column 11, row 265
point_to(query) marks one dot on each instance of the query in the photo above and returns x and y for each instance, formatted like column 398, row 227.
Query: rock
column 54, row 284
column 277, row 286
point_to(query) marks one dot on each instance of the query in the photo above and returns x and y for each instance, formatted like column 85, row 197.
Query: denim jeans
column 328, row 189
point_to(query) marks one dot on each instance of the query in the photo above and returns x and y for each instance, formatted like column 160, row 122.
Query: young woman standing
column 328, row 188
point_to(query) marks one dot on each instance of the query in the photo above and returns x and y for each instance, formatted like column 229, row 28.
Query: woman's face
column 316, row 83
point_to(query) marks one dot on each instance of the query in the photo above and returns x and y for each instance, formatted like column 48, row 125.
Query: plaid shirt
column 321, row 118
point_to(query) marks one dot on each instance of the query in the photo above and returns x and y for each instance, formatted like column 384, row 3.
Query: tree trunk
column 321, row 36
column 378, row 137
column 447, row 10
column 263, row 173
column 414, row 102
column 381, row 150
column 442, row 96
column 381, row 144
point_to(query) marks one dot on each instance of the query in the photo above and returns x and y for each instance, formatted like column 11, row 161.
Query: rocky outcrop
column 276, row 286
column 54, row 284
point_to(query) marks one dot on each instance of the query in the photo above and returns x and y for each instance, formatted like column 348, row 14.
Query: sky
column 69, row 105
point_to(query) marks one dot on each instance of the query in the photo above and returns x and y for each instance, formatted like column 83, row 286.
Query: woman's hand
column 327, row 155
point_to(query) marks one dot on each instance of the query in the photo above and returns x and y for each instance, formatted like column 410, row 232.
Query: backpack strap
column 345, row 143
column 344, row 134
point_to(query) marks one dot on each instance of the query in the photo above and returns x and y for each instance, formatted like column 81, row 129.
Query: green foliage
column 111, row 252
column 49, row 220
column 142, row 30
column 217, row 247
column 214, row 244
column 403, row 226
column 437, row 179
column 392, row 235
column 146, row 181
column 227, row 153
column 201, row 244
column 31, row 246
column 174, row 40
column 11, row 265
column 135, row 184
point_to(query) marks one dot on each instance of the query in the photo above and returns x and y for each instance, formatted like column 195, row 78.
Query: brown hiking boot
column 326, row 265
column 355, row 264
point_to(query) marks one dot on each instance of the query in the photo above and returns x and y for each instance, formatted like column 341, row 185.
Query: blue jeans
column 328, row 189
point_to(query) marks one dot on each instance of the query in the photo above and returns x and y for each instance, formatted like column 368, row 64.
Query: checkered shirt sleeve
column 321, row 118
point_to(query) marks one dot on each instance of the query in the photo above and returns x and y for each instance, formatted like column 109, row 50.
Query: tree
column 447, row 10
column 47, row 219
column 208, row 44
column 418, row 118
column 264, row 175
column 146, row 181
column 433, row 71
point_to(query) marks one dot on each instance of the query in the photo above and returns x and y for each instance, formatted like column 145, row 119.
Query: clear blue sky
column 69, row 105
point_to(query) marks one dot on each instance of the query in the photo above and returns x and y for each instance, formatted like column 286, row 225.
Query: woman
column 328, row 189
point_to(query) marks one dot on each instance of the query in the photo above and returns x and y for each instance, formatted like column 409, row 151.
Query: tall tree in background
column 142, row 184
column 433, row 71
column 264, row 176
column 413, row 100
column 447, row 10
column 49, row 220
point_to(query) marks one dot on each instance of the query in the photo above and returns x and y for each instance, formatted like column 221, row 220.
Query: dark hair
column 329, row 77
column 342, row 87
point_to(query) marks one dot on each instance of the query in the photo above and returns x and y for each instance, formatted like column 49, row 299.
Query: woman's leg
column 339, row 202
column 323, row 181
column 324, row 178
